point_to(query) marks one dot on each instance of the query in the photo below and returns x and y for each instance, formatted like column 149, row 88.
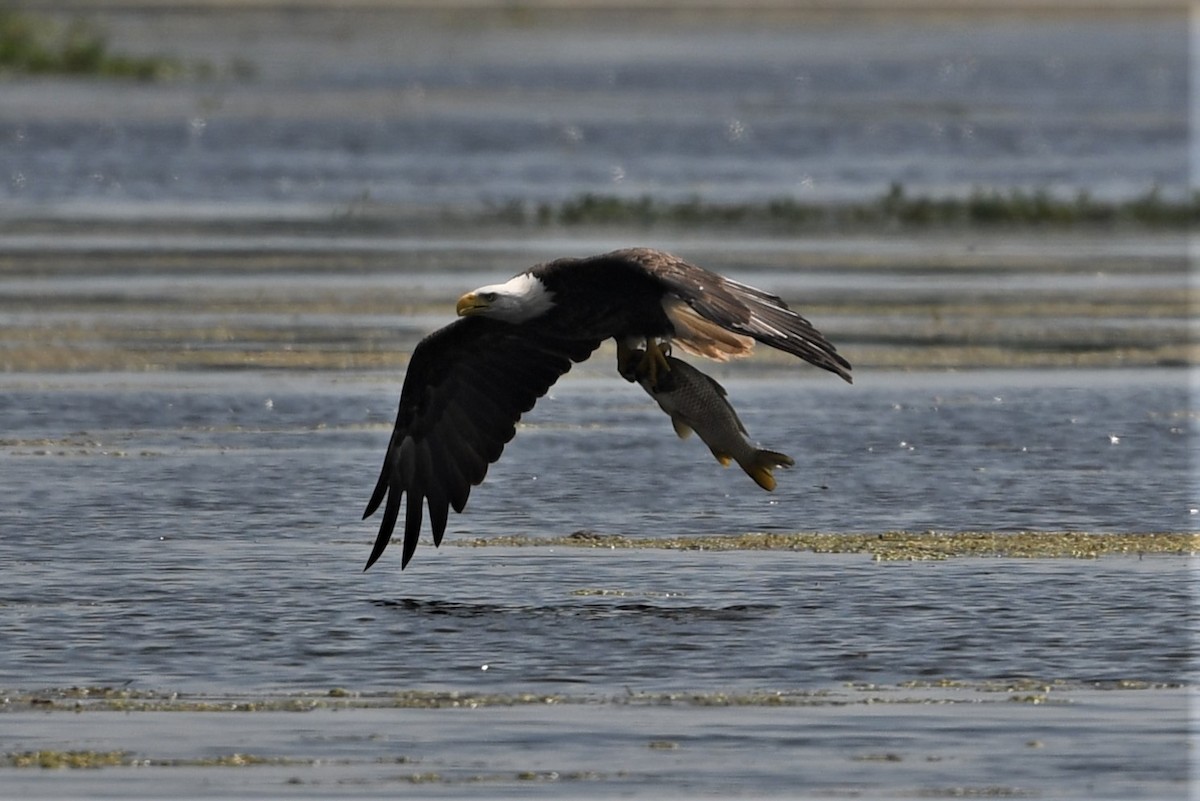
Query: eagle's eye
column 488, row 296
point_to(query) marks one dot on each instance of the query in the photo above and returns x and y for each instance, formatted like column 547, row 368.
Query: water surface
column 471, row 111
column 202, row 532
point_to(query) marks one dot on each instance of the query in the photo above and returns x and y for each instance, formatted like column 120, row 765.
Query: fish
column 697, row 402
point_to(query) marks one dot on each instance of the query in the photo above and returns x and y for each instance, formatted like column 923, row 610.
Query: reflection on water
column 587, row 611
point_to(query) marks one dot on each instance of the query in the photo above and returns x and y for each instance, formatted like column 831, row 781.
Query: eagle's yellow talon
column 653, row 360
column 636, row 364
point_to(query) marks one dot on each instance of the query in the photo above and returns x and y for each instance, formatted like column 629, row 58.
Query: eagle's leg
column 628, row 359
column 655, row 360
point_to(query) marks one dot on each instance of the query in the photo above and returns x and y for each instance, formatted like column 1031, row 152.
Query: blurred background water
column 466, row 108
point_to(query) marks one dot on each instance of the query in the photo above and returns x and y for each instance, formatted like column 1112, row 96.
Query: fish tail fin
column 760, row 465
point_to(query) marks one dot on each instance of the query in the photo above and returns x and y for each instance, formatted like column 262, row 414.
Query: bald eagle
column 468, row 383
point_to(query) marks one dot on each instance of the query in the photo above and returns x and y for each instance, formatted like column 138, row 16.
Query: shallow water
column 176, row 530
column 855, row 742
column 198, row 534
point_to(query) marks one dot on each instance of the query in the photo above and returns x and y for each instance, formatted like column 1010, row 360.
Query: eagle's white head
column 517, row 300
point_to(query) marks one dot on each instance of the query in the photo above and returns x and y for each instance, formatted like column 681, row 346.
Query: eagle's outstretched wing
column 707, row 297
column 466, row 387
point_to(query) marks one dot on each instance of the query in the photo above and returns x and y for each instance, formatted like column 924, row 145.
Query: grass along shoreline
column 1000, row 211
column 896, row 209
column 38, row 44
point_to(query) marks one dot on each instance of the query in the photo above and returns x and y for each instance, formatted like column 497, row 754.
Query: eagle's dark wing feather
column 773, row 323
column 466, row 387
column 742, row 309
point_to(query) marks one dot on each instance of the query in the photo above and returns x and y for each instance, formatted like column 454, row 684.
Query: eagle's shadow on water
column 591, row 610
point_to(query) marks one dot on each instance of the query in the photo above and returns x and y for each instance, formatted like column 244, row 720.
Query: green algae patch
column 890, row 545
column 944, row 690
column 751, row 698
column 56, row 760
column 607, row 592
column 896, row 208
column 108, row 699
column 37, row 45
column 411, row 699
column 229, row 761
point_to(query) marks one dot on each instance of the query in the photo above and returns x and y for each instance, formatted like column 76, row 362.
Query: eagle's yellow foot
column 635, row 364
column 653, row 361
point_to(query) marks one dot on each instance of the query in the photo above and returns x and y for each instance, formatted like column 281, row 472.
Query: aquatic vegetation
column 913, row 691
column 602, row 592
column 52, row 760
column 896, row 208
column 423, row 778
column 755, row 698
column 107, row 699
column 878, row 757
column 233, row 761
column 892, row 545
column 32, row 45
column 410, row 699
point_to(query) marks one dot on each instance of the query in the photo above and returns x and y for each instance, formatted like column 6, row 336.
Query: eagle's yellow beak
column 470, row 303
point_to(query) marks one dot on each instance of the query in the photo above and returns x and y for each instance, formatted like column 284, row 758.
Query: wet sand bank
column 164, row 299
